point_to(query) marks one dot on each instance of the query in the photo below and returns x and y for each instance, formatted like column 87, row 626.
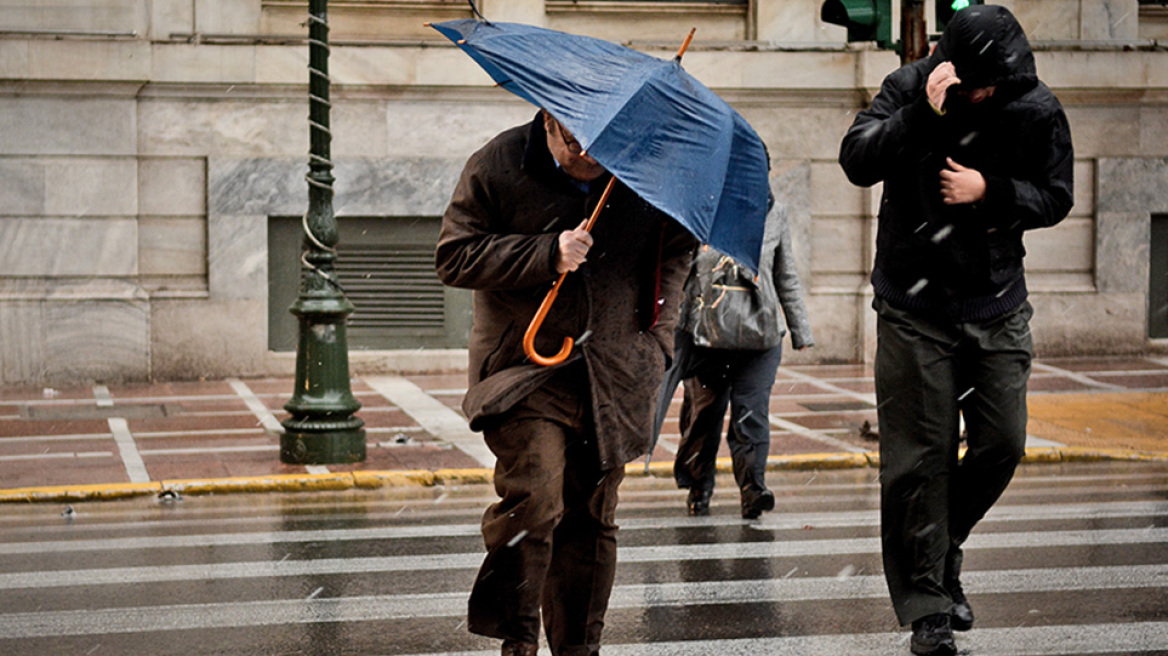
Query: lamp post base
column 337, row 447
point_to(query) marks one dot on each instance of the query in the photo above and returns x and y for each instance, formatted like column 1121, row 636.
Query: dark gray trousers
column 551, row 538
column 715, row 380
column 927, row 372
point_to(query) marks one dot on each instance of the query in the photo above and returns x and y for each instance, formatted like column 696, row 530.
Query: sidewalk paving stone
column 219, row 434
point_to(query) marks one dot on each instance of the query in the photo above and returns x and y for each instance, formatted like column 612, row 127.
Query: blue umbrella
column 652, row 125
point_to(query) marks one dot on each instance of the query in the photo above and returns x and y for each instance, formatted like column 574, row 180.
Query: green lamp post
column 322, row 428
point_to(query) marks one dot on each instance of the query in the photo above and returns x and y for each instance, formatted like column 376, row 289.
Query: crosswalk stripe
column 1019, row 641
column 649, row 554
column 395, row 607
column 842, row 519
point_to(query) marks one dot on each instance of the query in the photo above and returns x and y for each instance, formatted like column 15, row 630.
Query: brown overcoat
column 500, row 238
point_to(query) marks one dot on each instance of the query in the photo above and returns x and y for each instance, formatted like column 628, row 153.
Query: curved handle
column 541, row 313
column 537, row 321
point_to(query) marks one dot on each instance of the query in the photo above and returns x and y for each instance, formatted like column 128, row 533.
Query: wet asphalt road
column 1074, row 560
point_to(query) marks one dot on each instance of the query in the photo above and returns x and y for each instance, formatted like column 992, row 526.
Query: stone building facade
column 153, row 153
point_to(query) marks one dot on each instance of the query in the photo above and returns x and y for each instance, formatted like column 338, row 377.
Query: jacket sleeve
column 790, row 291
column 1046, row 197
column 899, row 119
column 677, row 252
column 475, row 251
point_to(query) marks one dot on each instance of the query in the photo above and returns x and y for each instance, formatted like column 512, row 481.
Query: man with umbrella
column 973, row 150
column 562, row 433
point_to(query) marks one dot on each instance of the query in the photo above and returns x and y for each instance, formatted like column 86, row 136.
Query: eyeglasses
column 570, row 142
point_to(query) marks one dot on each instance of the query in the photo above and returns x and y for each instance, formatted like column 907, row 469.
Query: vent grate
column 393, row 286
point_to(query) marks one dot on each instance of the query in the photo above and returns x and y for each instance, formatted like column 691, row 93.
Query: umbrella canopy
column 652, row 125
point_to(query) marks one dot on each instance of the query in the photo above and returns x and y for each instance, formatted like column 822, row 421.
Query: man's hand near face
column 937, row 88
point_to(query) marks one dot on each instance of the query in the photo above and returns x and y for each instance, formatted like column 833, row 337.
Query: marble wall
column 140, row 165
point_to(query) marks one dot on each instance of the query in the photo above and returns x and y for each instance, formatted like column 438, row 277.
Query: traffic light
column 947, row 8
column 866, row 20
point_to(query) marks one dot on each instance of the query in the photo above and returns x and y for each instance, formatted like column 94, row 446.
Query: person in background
column 973, row 151
column 728, row 348
column 561, row 434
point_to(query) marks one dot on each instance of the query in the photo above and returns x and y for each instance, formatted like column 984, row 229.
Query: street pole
column 914, row 36
column 322, row 428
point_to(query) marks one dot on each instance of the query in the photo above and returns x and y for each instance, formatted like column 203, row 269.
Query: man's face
column 568, row 152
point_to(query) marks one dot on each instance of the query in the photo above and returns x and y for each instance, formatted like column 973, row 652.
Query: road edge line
column 374, row 479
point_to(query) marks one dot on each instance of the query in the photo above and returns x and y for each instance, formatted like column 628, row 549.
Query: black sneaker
column 698, row 502
column 961, row 616
column 933, row 636
column 754, row 505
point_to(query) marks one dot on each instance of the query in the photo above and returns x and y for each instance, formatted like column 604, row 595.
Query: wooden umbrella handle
column 541, row 313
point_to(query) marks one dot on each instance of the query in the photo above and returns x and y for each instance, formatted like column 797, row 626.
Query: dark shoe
column 754, row 505
column 512, row 648
column 933, row 636
column 698, row 502
column 961, row 616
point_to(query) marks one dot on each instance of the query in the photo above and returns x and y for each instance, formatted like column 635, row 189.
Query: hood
column 988, row 48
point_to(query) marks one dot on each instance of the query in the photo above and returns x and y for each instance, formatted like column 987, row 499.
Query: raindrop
column 942, row 234
column 746, row 416
column 968, row 139
column 791, row 573
column 846, row 572
column 921, row 227
column 316, row 592
column 916, row 289
column 967, row 393
column 518, row 537
column 986, row 47
column 927, row 530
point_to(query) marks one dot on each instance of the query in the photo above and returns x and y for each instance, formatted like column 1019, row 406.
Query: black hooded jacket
column 962, row 262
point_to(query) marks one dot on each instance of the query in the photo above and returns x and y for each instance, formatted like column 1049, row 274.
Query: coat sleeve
column 476, row 251
column 790, row 290
column 1047, row 195
column 676, row 258
column 898, row 121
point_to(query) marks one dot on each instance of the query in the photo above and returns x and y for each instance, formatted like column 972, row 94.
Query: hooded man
column 562, row 433
column 973, row 150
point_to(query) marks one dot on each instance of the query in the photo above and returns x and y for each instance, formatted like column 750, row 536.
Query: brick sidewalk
column 227, row 429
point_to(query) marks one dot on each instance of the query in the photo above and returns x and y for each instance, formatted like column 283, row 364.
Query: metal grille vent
column 393, row 286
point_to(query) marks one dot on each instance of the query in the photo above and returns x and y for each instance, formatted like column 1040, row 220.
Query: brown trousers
column 551, row 538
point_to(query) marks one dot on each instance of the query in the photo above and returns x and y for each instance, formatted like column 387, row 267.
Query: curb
column 371, row 480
